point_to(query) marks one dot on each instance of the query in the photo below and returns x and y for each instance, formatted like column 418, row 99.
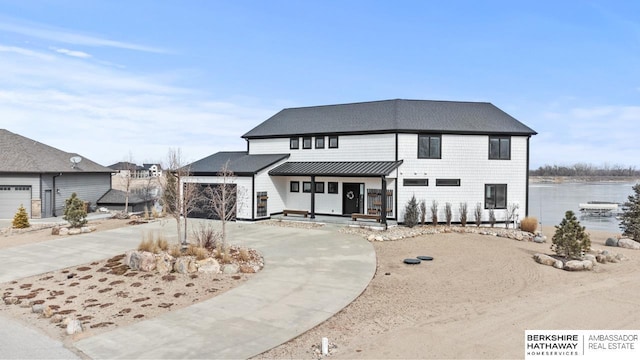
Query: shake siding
column 464, row 157
column 377, row 147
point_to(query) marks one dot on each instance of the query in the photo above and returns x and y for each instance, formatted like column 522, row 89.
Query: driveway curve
column 309, row 275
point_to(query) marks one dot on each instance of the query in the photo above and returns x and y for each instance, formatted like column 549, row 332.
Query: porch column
column 313, row 197
column 383, row 203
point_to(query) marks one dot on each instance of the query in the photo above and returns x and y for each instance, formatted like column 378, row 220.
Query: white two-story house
column 341, row 159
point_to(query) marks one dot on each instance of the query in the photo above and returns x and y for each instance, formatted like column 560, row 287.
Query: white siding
column 376, row 147
column 464, row 157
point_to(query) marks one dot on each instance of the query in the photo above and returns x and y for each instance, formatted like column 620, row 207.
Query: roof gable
column 19, row 154
column 391, row 116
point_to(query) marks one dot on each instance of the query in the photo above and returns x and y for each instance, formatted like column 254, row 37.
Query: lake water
column 549, row 202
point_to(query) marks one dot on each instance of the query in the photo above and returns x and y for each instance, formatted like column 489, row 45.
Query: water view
column 548, row 202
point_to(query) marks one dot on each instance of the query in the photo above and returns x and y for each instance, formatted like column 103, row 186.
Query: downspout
column 54, row 194
column 395, row 184
column 253, row 196
column 313, row 197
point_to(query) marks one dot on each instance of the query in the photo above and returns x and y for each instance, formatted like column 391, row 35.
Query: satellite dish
column 74, row 161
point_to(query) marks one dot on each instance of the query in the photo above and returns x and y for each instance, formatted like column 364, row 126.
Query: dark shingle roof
column 117, row 197
column 392, row 116
column 23, row 155
column 239, row 162
column 124, row 165
column 340, row 168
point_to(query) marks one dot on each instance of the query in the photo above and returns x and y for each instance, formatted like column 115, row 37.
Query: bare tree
column 180, row 196
column 222, row 199
column 130, row 168
column 511, row 212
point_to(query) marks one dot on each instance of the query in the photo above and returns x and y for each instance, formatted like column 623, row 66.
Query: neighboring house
column 153, row 170
column 340, row 159
column 41, row 177
column 127, row 169
column 115, row 200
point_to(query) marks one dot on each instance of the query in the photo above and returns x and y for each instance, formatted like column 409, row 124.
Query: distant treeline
column 585, row 170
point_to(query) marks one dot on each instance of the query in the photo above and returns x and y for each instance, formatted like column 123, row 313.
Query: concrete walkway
column 309, row 276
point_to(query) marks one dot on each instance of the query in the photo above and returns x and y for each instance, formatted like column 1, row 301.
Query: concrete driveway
column 309, row 275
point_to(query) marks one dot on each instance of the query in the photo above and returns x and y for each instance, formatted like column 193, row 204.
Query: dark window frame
column 332, row 187
column 295, row 188
column 415, row 182
column 489, row 201
column 306, row 184
column 319, row 187
column 306, row 139
column 429, row 151
column 333, row 137
column 500, row 147
column 294, row 143
column 447, row 182
column 321, row 139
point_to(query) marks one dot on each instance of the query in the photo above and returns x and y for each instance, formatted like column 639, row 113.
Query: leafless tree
column 510, row 214
column 223, row 199
column 180, row 196
column 130, row 168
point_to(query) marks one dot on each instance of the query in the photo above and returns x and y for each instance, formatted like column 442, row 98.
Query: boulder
column 379, row 238
column 209, row 265
column 74, row 326
column 192, row 266
column 56, row 319
column 591, row 258
column 611, row 242
column 85, row 230
column 230, row 269
column 539, row 239
column 37, row 309
column 182, row 265
column 55, row 230
column 147, row 261
column 602, row 259
column 544, row 259
column 47, row 312
column 578, row 265
column 132, row 259
column 629, row 244
column 163, row 263
column 64, row 231
column 558, row 264
column 371, row 237
column 74, row 231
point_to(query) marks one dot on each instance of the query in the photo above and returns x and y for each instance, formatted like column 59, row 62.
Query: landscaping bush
column 199, row 252
column 434, row 213
column 447, row 213
column 478, row 214
column 21, row 219
column 74, row 211
column 206, row 236
column 463, row 214
column 529, row 224
column 411, row 212
column 630, row 218
column 148, row 243
column 570, row 238
column 492, row 217
column 423, row 211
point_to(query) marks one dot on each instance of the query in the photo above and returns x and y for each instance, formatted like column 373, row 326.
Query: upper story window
column 333, row 142
column 306, row 142
column 499, row 147
column 429, row 146
column 319, row 142
column 415, row 182
column 495, row 196
column 294, row 143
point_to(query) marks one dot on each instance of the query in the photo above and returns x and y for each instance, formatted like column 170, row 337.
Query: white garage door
column 11, row 197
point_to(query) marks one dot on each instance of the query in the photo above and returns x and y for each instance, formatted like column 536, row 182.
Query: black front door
column 351, row 202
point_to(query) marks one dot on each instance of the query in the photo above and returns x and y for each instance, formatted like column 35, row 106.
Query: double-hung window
column 495, row 196
column 429, row 146
column 499, row 147
column 319, row 142
column 294, row 143
column 306, row 142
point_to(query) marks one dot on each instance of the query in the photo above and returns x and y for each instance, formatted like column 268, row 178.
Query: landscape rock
column 611, row 242
column 544, row 259
column 85, row 230
column 56, row 319
column 602, row 259
column 371, row 237
column 55, row 230
column 74, row 326
column 578, row 265
column 11, row 300
column 163, row 263
column 63, row 231
column 558, row 264
column 209, row 265
column 47, row 312
column 74, row 231
column 147, row 261
column 379, row 238
column 539, row 239
column 182, row 265
column 247, row 269
column 230, row 269
column 591, row 258
column 629, row 244
column 132, row 259
column 37, row 309
column 192, row 266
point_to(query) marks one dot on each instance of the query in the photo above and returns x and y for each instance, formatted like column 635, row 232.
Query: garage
column 11, row 197
column 203, row 210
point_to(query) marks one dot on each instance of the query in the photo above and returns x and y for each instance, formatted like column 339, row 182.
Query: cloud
column 74, row 53
column 102, row 112
column 46, row 32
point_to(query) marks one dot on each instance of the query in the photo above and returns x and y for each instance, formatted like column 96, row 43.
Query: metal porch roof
column 340, row 168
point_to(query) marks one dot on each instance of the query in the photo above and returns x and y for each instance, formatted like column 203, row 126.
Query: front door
column 48, row 209
column 351, row 198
